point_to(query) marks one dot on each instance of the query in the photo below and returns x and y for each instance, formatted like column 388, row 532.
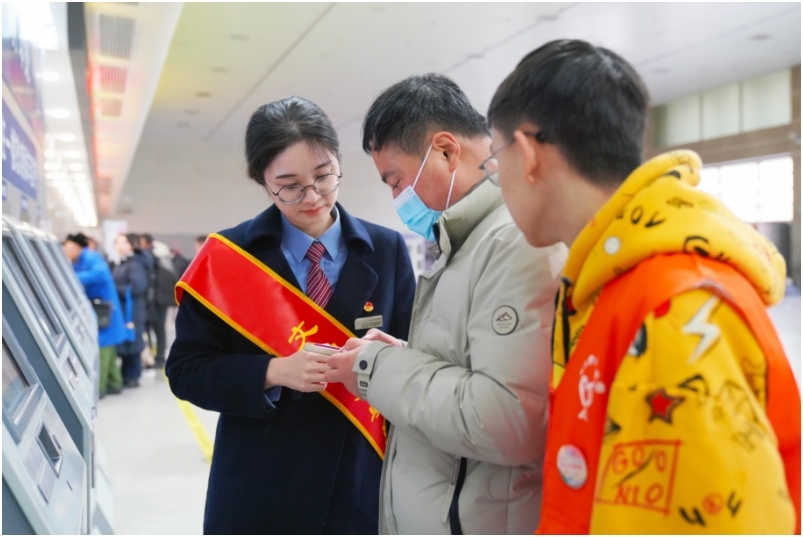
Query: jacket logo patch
column 504, row 320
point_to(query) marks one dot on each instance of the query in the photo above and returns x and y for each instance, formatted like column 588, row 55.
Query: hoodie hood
column 659, row 210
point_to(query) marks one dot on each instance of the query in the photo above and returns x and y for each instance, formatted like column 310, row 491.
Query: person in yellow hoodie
column 673, row 406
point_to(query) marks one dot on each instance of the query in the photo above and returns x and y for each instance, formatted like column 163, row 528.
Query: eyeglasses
column 323, row 185
column 491, row 164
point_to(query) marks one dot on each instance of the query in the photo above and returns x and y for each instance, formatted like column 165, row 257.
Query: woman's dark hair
column 405, row 113
column 279, row 124
column 586, row 100
column 133, row 239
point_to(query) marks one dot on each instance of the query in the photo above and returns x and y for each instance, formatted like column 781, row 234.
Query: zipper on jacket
column 450, row 507
column 566, row 311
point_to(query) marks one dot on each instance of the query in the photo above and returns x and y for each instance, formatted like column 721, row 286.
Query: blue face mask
column 416, row 216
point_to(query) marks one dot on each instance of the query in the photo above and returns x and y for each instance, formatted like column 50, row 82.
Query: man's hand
column 340, row 365
column 302, row 371
column 378, row 335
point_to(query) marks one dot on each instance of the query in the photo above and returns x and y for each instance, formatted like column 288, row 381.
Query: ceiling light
column 65, row 137
column 59, row 113
column 52, row 166
column 72, row 154
column 49, row 76
column 79, row 176
column 76, row 167
column 36, row 24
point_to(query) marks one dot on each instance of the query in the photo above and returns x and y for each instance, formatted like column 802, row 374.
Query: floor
column 155, row 449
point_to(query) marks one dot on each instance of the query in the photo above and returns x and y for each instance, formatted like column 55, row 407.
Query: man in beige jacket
column 467, row 397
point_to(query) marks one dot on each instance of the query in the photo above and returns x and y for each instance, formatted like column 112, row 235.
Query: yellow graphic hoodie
column 694, row 372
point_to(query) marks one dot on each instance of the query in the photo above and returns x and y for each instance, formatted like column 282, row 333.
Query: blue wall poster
column 19, row 156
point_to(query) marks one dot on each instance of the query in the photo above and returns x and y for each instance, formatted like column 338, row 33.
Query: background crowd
column 136, row 287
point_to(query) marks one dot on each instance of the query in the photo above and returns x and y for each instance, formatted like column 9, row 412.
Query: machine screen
column 14, row 383
column 47, row 263
column 60, row 259
column 42, row 312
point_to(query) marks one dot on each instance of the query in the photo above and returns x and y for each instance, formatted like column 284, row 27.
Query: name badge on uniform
column 364, row 323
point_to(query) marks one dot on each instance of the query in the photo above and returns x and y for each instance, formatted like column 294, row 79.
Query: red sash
column 609, row 333
column 237, row 287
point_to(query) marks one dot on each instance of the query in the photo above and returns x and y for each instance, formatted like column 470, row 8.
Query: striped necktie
column 318, row 288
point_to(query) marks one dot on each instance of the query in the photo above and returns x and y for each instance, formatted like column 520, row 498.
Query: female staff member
column 287, row 459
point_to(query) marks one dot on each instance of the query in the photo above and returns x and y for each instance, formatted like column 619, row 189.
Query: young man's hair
column 78, row 238
column 586, row 100
column 405, row 113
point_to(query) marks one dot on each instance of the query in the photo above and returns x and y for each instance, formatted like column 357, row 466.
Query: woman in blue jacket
column 286, row 459
column 131, row 279
column 96, row 278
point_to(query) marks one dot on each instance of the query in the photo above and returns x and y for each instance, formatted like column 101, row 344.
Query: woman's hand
column 302, row 371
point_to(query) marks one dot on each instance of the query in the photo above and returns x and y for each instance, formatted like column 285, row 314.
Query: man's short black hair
column 78, row 238
column 587, row 100
column 147, row 237
column 405, row 113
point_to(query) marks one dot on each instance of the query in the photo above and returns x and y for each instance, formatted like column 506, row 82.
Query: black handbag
column 103, row 310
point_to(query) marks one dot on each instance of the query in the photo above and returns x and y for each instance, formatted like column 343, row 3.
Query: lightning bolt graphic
column 699, row 325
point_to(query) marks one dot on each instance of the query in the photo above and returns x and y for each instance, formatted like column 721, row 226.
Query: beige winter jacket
column 472, row 382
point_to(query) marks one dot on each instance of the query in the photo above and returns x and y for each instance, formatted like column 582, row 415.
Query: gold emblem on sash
column 299, row 333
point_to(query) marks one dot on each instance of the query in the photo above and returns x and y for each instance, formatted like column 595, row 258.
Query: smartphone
column 321, row 348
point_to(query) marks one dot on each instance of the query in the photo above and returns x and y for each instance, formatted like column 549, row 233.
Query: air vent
column 112, row 79
column 116, row 36
column 111, row 107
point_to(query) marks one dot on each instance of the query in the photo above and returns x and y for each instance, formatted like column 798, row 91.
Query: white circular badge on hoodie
column 612, row 245
column 504, row 320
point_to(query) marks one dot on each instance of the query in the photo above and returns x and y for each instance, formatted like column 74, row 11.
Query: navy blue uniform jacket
column 301, row 467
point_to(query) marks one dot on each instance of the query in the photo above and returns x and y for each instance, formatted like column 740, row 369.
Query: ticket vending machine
column 51, row 355
column 50, row 245
column 63, row 265
column 49, row 249
column 44, row 474
column 68, row 310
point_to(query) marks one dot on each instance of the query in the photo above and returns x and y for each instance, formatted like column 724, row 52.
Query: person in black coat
column 286, row 460
column 131, row 279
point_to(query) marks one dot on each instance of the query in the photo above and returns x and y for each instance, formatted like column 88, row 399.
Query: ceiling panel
column 226, row 59
column 220, row 51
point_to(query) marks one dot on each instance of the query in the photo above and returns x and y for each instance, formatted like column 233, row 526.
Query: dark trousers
column 132, row 366
column 156, row 324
